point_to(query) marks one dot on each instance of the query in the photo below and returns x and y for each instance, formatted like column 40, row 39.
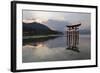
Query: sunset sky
column 68, row 17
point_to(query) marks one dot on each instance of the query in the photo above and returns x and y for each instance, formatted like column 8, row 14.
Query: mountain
column 59, row 25
column 85, row 31
column 36, row 28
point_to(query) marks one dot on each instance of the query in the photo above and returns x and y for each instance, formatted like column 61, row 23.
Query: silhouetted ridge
column 37, row 29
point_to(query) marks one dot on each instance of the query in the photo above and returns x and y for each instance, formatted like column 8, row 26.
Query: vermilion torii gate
column 72, row 36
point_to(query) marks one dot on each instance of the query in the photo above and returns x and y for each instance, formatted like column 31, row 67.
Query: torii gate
column 72, row 36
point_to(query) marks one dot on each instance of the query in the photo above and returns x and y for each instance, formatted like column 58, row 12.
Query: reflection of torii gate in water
column 72, row 36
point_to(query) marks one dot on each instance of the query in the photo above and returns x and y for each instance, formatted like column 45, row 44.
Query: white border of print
column 38, row 65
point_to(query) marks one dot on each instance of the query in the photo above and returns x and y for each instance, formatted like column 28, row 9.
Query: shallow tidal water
column 55, row 49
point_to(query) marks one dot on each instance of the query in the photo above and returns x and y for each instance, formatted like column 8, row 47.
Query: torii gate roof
column 77, row 25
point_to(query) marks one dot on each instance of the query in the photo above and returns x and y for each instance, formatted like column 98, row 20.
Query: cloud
column 44, row 15
column 71, row 17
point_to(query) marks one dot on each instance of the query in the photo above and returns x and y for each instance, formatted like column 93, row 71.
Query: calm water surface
column 54, row 49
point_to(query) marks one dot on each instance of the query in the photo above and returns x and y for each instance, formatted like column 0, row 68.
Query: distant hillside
column 59, row 25
column 85, row 31
column 37, row 29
